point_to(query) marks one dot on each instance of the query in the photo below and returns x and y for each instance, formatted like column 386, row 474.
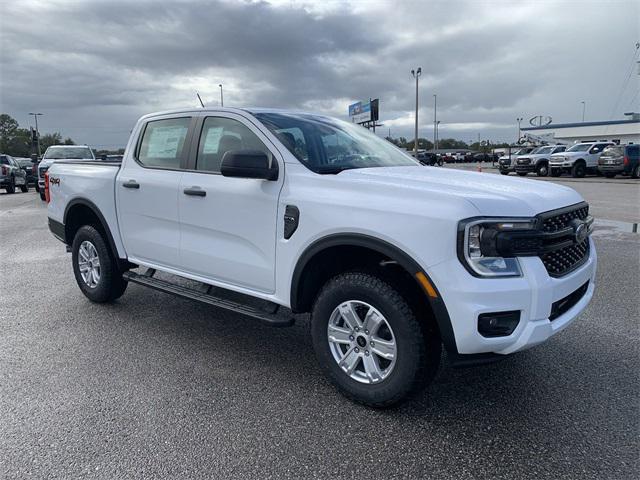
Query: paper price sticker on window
column 165, row 141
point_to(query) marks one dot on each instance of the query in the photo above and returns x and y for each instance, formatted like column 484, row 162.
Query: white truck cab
column 302, row 213
column 578, row 160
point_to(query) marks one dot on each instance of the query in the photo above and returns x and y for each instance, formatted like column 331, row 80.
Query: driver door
column 228, row 225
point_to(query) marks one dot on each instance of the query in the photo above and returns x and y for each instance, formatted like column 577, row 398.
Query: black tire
column 11, row 188
column 111, row 285
column 522, row 174
column 42, row 196
column 418, row 351
column 24, row 188
column 555, row 172
column 579, row 170
column 636, row 172
column 542, row 170
column 504, row 172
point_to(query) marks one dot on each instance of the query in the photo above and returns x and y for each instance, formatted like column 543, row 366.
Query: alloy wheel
column 89, row 264
column 362, row 342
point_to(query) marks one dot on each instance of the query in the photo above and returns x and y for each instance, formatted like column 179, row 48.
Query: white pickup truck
column 271, row 212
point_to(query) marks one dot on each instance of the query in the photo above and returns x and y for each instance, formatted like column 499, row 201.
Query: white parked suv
column 578, row 160
column 302, row 213
column 537, row 161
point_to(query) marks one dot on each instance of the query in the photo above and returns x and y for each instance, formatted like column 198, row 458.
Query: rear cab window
column 164, row 143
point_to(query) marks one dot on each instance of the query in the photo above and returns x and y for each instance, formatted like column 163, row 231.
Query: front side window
column 221, row 135
column 163, row 143
column 326, row 145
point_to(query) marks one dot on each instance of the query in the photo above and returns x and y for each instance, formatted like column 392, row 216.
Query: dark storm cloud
column 93, row 67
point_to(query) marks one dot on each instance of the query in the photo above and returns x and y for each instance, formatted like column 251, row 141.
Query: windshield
column 543, row 150
column 327, row 145
column 580, row 147
column 68, row 153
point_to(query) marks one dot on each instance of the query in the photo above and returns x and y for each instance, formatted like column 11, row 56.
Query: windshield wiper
column 334, row 169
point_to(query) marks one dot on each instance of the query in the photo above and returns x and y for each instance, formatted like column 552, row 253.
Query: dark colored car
column 620, row 159
column 11, row 175
column 428, row 158
column 30, row 168
column 482, row 157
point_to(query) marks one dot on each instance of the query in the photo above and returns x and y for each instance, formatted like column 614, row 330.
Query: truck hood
column 491, row 195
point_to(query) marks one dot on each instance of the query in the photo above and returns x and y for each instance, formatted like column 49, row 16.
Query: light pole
column 519, row 119
column 221, row 98
column 36, row 115
column 435, row 121
column 584, row 106
column 437, row 136
column 416, row 74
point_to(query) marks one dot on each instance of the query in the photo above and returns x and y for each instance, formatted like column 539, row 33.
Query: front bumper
column 528, row 168
column 533, row 294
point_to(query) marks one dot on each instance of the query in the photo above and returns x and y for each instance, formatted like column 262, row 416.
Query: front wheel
column 95, row 268
column 579, row 170
column 24, row 188
column 504, row 172
column 369, row 342
column 542, row 170
column 11, row 188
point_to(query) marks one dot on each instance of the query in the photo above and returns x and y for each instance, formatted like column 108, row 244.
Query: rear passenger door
column 147, row 189
column 229, row 225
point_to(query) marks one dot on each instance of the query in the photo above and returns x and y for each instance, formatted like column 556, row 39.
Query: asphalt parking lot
column 153, row 386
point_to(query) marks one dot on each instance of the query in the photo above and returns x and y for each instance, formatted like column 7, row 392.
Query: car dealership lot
column 155, row 386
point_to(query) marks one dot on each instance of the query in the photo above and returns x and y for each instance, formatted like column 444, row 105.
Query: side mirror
column 248, row 164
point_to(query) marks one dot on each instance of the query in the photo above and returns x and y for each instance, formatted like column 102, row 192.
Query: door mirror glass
column 248, row 164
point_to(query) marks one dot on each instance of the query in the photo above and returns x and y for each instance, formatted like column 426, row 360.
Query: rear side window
column 633, row 151
column 163, row 143
column 221, row 135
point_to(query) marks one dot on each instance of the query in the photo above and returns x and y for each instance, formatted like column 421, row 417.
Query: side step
column 147, row 280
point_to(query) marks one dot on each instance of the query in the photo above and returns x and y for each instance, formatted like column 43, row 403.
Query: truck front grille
column 553, row 223
column 564, row 260
column 560, row 262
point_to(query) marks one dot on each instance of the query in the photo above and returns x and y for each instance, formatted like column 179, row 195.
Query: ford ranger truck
column 270, row 213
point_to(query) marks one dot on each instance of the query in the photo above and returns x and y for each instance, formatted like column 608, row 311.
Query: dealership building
column 617, row 131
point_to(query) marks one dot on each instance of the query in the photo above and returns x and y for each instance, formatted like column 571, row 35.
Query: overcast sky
column 94, row 67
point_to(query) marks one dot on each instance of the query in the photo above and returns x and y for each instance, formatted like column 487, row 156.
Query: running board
column 147, row 280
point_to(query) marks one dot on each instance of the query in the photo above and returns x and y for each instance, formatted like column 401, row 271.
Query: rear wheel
column 369, row 342
column 42, row 196
column 95, row 268
column 24, row 188
column 636, row 172
column 579, row 170
column 11, row 188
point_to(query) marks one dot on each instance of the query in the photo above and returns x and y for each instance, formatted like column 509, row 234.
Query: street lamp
column 416, row 74
column 437, row 135
column 435, row 121
column 221, row 99
column 584, row 106
column 36, row 115
column 519, row 119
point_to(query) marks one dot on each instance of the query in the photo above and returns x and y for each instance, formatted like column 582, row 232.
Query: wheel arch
column 81, row 211
column 310, row 273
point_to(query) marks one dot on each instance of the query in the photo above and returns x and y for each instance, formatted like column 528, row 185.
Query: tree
column 8, row 127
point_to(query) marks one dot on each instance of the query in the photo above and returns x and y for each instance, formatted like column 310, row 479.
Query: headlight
column 478, row 241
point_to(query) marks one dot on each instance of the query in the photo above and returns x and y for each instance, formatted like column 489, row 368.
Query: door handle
column 195, row 191
column 131, row 184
